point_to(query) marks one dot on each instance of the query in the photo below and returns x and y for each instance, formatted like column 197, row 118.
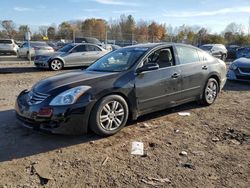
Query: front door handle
column 204, row 67
column 175, row 75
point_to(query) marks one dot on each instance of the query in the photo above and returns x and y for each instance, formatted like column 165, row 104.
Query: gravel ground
column 209, row 148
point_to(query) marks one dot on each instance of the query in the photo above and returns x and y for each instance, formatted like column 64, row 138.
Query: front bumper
column 72, row 119
column 238, row 75
column 41, row 64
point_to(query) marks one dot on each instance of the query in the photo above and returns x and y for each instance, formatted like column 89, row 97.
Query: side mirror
column 148, row 67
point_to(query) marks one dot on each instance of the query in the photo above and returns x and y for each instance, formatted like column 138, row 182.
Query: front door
column 158, row 89
column 76, row 56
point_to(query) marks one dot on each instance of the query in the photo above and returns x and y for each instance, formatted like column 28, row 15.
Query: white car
column 36, row 48
column 8, row 46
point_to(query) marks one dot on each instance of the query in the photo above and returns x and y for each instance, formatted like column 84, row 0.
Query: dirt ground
column 216, row 140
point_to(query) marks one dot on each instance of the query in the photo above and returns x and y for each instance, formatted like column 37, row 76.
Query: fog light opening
column 45, row 112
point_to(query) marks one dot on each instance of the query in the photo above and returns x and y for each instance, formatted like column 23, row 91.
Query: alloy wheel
column 211, row 92
column 56, row 65
column 112, row 115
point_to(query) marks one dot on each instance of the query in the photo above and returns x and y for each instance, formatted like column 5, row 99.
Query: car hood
column 71, row 79
column 242, row 62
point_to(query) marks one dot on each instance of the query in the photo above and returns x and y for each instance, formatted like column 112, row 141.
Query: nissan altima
column 82, row 54
column 123, row 84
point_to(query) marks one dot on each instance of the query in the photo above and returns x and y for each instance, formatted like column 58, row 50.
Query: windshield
column 66, row 48
column 207, row 48
column 119, row 60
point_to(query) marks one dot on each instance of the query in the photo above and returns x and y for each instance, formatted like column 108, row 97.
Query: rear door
column 193, row 70
column 158, row 88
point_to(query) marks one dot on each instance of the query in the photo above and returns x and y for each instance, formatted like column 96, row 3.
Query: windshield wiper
column 99, row 70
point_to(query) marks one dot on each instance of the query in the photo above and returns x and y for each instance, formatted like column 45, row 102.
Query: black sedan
column 125, row 83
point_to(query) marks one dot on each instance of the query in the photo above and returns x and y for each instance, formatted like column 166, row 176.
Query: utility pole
column 106, row 37
column 249, row 28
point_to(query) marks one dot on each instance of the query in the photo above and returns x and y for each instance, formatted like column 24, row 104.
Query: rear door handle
column 175, row 75
column 204, row 67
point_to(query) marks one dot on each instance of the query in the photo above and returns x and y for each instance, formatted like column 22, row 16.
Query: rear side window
column 91, row 48
column 187, row 55
column 5, row 42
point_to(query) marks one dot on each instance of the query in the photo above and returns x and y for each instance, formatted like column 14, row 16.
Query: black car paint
column 144, row 92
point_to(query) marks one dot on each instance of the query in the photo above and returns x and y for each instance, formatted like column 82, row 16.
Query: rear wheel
column 109, row 116
column 56, row 65
column 210, row 92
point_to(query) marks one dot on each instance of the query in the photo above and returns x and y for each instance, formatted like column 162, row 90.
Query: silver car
column 82, row 54
column 36, row 48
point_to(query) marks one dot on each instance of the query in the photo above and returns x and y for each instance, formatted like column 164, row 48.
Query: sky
column 213, row 14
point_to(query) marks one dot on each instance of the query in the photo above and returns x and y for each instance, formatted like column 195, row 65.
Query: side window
column 187, row 55
column 80, row 48
column 163, row 57
column 202, row 56
column 91, row 48
column 25, row 45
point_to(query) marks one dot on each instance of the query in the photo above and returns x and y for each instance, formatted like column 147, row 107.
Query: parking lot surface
column 216, row 140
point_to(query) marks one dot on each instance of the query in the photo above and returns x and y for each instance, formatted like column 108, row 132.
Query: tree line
column 127, row 29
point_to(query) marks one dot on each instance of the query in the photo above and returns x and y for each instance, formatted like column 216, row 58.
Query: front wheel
column 56, row 65
column 223, row 57
column 210, row 92
column 109, row 116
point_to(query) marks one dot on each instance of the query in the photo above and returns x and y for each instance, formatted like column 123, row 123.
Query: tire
column 56, row 65
column 109, row 115
column 210, row 92
column 223, row 57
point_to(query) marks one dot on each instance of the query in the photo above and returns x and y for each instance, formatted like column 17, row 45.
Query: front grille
column 245, row 70
column 36, row 98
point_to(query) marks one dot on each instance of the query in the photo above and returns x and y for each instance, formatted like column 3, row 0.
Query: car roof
column 153, row 45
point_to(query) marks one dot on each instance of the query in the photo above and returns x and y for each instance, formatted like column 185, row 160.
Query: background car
column 231, row 51
column 128, row 82
column 216, row 50
column 93, row 41
column 115, row 47
column 243, row 52
column 36, row 48
column 73, row 54
column 240, row 69
column 8, row 46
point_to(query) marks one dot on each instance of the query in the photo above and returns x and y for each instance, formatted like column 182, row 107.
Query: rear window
column 5, row 41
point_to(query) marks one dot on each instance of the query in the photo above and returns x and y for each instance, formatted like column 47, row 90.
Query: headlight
column 233, row 66
column 69, row 97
